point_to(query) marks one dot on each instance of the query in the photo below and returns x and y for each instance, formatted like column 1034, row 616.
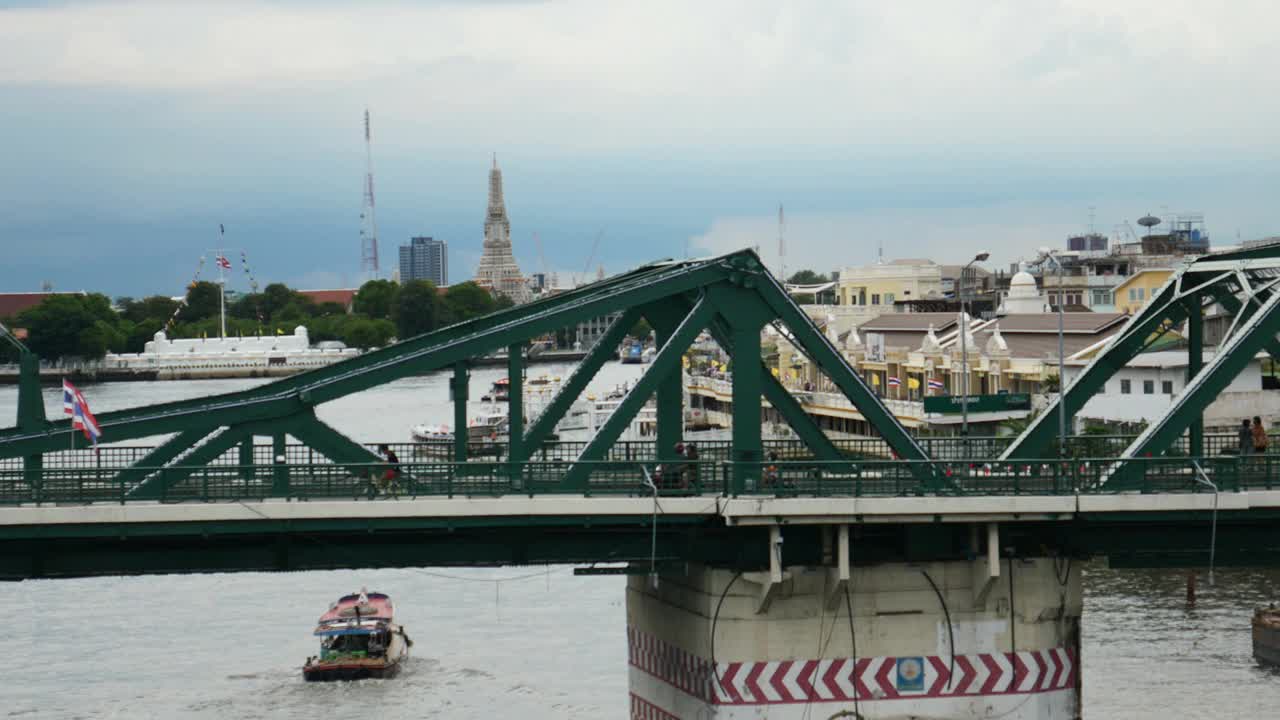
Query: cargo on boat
column 358, row 639
column 1266, row 635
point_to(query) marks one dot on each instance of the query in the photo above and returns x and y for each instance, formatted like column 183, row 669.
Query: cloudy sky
column 130, row 130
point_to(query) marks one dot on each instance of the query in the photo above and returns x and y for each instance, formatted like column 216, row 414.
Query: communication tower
column 782, row 250
column 368, row 214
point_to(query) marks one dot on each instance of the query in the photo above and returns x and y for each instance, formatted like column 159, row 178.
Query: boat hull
column 1266, row 644
column 339, row 672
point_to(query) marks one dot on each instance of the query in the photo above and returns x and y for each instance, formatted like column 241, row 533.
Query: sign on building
column 875, row 347
column 1003, row 402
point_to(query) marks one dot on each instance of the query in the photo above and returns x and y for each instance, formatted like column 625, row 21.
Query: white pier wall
column 799, row 652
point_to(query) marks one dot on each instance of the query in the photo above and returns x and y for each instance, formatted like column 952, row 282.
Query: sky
column 130, row 130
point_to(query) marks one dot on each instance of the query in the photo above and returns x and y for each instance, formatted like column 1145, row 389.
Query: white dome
column 1022, row 278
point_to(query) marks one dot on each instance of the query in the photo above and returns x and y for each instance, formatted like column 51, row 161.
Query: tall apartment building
column 425, row 258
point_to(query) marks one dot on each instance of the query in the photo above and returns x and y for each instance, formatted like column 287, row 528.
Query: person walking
column 1259, row 436
column 1245, row 435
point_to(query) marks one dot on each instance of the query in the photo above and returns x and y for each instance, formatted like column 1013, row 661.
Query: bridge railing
column 1089, row 476
column 116, row 457
column 781, row 478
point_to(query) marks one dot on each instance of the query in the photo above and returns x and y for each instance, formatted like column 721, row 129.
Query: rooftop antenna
column 1092, row 210
column 368, row 215
column 782, row 248
column 880, row 250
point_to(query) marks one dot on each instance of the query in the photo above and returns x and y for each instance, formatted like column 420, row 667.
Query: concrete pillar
column 1015, row 642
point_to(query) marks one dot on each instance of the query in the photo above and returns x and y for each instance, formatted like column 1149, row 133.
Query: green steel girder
column 422, row 354
column 837, row 369
column 786, row 404
column 160, row 456
column 1159, row 315
column 157, row 485
column 582, row 375
column 327, row 441
column 665, row 317
column 666, row 361
column 57, row 436
column 1227, row 363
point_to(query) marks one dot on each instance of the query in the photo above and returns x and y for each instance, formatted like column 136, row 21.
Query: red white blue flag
column 74, row 404
column 935, row 384
column 223, row 262
column 894, row 381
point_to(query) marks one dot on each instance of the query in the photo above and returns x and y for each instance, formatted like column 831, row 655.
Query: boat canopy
column 344, row 630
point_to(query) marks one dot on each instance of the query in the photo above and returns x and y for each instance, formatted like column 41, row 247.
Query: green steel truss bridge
column 254, row 480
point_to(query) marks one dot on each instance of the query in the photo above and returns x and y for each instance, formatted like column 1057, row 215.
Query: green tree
column 465, row 301
column 502, row 302
column 806, row 277
column 377, row 299
column 640, row 330
column 68, row 325
column 276, row 296
column 362, row 332
column 155, row 307
column 203, row 301
column 330, row 308
column 417, row 310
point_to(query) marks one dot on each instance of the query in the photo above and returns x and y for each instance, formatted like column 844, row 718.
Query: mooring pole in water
column 1191, row 587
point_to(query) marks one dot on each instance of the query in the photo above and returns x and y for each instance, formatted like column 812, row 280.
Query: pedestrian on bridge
column 1259, row 436
column 1246, row 438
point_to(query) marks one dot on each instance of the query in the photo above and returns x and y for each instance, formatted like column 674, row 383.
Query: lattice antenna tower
column 368, row 214
column 782, row 248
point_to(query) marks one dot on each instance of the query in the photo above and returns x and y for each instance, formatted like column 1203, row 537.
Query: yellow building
column 881, row 285
column 1138, row 288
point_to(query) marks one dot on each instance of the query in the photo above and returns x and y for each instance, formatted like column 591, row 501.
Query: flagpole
column 222, row 282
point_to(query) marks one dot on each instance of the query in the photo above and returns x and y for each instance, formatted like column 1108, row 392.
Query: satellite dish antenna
column 1148, row 221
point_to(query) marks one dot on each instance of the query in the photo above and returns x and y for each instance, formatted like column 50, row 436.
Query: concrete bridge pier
column 977, row 638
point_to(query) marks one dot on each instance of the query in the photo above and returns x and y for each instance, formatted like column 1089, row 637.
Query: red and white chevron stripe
column 868, row 678
column 642, row 709
column 670, row 664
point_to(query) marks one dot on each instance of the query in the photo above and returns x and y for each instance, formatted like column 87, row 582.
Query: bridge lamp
column 964, row 351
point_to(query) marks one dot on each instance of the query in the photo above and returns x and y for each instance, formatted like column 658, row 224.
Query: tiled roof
column 13, row 303
column 342, row 297
column 910, row 322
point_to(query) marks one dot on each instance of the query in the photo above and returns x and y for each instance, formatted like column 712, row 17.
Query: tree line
column 89, row 325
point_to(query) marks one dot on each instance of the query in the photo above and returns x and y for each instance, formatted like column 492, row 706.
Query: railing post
column 280, row 468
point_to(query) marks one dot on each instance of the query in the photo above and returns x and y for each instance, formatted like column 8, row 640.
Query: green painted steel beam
column 572, row 389
column 57, row 436
column 669, row 396
column 1227, row 363
column 157, row 485
column 324, row 439
column 459, row 390
column 419, row 355
column 159, row 457
column 515, row 408
column 667, row 360
column 805, row 427
column 837, row 369
column 1195, row 362
column 1163, row 312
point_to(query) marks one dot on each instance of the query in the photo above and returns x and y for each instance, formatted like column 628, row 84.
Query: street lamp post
column 964, row 350
column 1062, row 378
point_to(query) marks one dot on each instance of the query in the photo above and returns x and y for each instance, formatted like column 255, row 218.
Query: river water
column 534, row 643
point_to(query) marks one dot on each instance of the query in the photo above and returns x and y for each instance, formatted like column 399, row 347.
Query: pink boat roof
column 379, row 602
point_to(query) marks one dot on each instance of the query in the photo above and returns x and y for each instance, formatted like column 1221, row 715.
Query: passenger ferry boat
column 359, row 639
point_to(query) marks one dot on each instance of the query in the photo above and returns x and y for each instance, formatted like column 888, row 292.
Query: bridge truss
column 1245, row 285
column 732, row 296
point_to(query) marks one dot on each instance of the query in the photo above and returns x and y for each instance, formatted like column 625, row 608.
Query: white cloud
column 662, row 73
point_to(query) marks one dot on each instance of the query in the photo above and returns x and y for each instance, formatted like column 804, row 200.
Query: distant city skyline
column 126, row 146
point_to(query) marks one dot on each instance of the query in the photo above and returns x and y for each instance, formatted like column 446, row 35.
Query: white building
column 1145, row 389
column 1023, row 297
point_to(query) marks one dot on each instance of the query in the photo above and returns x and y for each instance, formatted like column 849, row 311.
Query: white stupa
column 1023, row 296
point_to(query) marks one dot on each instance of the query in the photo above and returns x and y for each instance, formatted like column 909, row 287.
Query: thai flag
column 74, row 404
column 894, row 382
column 935, row 384
column 223, row 262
